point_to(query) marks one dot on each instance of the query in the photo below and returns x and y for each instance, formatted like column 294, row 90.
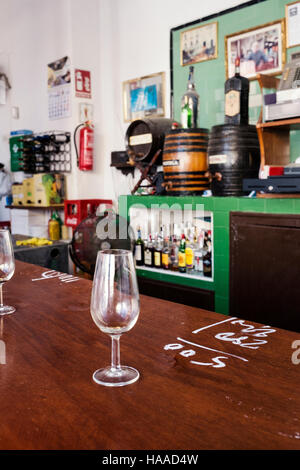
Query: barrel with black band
column 144, row 137
column 233, row 154
column 185, row 161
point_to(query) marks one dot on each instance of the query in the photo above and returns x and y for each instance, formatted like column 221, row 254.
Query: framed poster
column 199, row 44
column 144, row 97
column 292, row 17
column 261, row 50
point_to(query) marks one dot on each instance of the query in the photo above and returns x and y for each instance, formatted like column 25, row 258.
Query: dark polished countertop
column 207, row 381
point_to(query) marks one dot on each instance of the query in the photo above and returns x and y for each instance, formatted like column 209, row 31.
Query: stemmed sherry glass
column 7, row 267
column 115, row 308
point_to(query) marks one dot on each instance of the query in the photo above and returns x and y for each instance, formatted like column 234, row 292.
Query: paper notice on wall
column 59, row 89
column 292, row 20
column 83, row 83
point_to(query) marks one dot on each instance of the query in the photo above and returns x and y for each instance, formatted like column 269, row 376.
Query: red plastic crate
column 78, row 209
column 5, row 224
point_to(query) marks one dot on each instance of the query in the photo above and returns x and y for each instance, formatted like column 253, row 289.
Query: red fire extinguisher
column 86, row 146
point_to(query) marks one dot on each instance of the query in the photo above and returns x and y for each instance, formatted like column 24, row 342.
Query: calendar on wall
column 59, row 89
column 59, row 102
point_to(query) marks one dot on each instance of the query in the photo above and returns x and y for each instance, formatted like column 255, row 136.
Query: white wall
column 115, row 39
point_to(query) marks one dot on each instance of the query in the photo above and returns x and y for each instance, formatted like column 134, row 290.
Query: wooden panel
column 265, row 268
column 186, row 295
column 274, row 146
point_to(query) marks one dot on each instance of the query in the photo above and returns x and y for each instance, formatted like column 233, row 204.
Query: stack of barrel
column 195, row 160
column 233, row 154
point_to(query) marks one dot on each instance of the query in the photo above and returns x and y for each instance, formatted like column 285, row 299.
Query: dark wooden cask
column 144, row 137
column 233, row 154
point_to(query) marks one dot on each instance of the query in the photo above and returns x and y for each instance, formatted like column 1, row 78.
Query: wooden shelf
column 53, row 206
column 291, row 124
column 274, row 136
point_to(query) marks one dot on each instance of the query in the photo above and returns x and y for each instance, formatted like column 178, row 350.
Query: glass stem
column 115, row 352
column 1, row 294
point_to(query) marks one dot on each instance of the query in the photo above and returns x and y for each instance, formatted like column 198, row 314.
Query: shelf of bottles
column 41, row 153
column 175, row 242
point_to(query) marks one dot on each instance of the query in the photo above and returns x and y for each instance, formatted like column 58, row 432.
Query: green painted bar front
column 221, row 208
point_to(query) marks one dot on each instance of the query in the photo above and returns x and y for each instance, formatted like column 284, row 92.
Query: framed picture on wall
column 260, row 50
column 292, row 17
column 199, row 44
column 144, row 97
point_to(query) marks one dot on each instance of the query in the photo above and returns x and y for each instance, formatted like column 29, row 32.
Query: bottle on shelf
column 174, row 254
column 199, row 253
column 157, row 252
column 161, row 236
column 207, row 262
column 57, row 217
column 165, row 257
column 53, row 228
column 207, row 269
column 182, row 256
column 189, row 252
column 237, row 98
column 139, row 249
column 190, row 104
column 149, row 253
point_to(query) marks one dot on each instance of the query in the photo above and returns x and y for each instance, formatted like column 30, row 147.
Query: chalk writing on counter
column 63, row 277
column 248, row 336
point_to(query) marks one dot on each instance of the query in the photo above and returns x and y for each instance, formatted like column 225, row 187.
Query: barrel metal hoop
column 185, row 137
column 190, row 185
column 172, row 150
column 184, row 182
column 175, row 173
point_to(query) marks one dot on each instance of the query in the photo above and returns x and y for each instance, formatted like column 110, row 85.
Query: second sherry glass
column 7, row 267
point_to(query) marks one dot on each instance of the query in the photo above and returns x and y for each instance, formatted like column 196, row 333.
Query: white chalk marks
column 63, row 277
column 249, row 337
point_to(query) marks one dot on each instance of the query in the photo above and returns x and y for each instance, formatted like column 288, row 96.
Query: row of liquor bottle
column 190, row 253
column 41, row 153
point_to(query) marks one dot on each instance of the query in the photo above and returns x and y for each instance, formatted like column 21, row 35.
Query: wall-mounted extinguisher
column 86, row 146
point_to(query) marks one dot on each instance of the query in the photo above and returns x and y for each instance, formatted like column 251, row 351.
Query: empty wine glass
column 115, row 308
column 7, row 267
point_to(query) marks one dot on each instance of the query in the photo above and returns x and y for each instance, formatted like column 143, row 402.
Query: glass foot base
column 7, row 310
column 116, row 377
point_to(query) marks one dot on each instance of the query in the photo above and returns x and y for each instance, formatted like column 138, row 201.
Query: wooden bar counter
column 207, row 381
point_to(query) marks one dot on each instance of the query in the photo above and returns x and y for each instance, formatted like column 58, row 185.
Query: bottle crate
column 77, row 210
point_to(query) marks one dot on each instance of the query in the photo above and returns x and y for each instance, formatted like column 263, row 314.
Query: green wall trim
column 221, row 208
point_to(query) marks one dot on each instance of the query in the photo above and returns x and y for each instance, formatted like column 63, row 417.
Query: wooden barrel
column 233, row 154
column 185, row 161
column 144, row 137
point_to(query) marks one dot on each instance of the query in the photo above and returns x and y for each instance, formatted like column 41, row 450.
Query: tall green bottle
column 190, row 104
column 182, row 256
